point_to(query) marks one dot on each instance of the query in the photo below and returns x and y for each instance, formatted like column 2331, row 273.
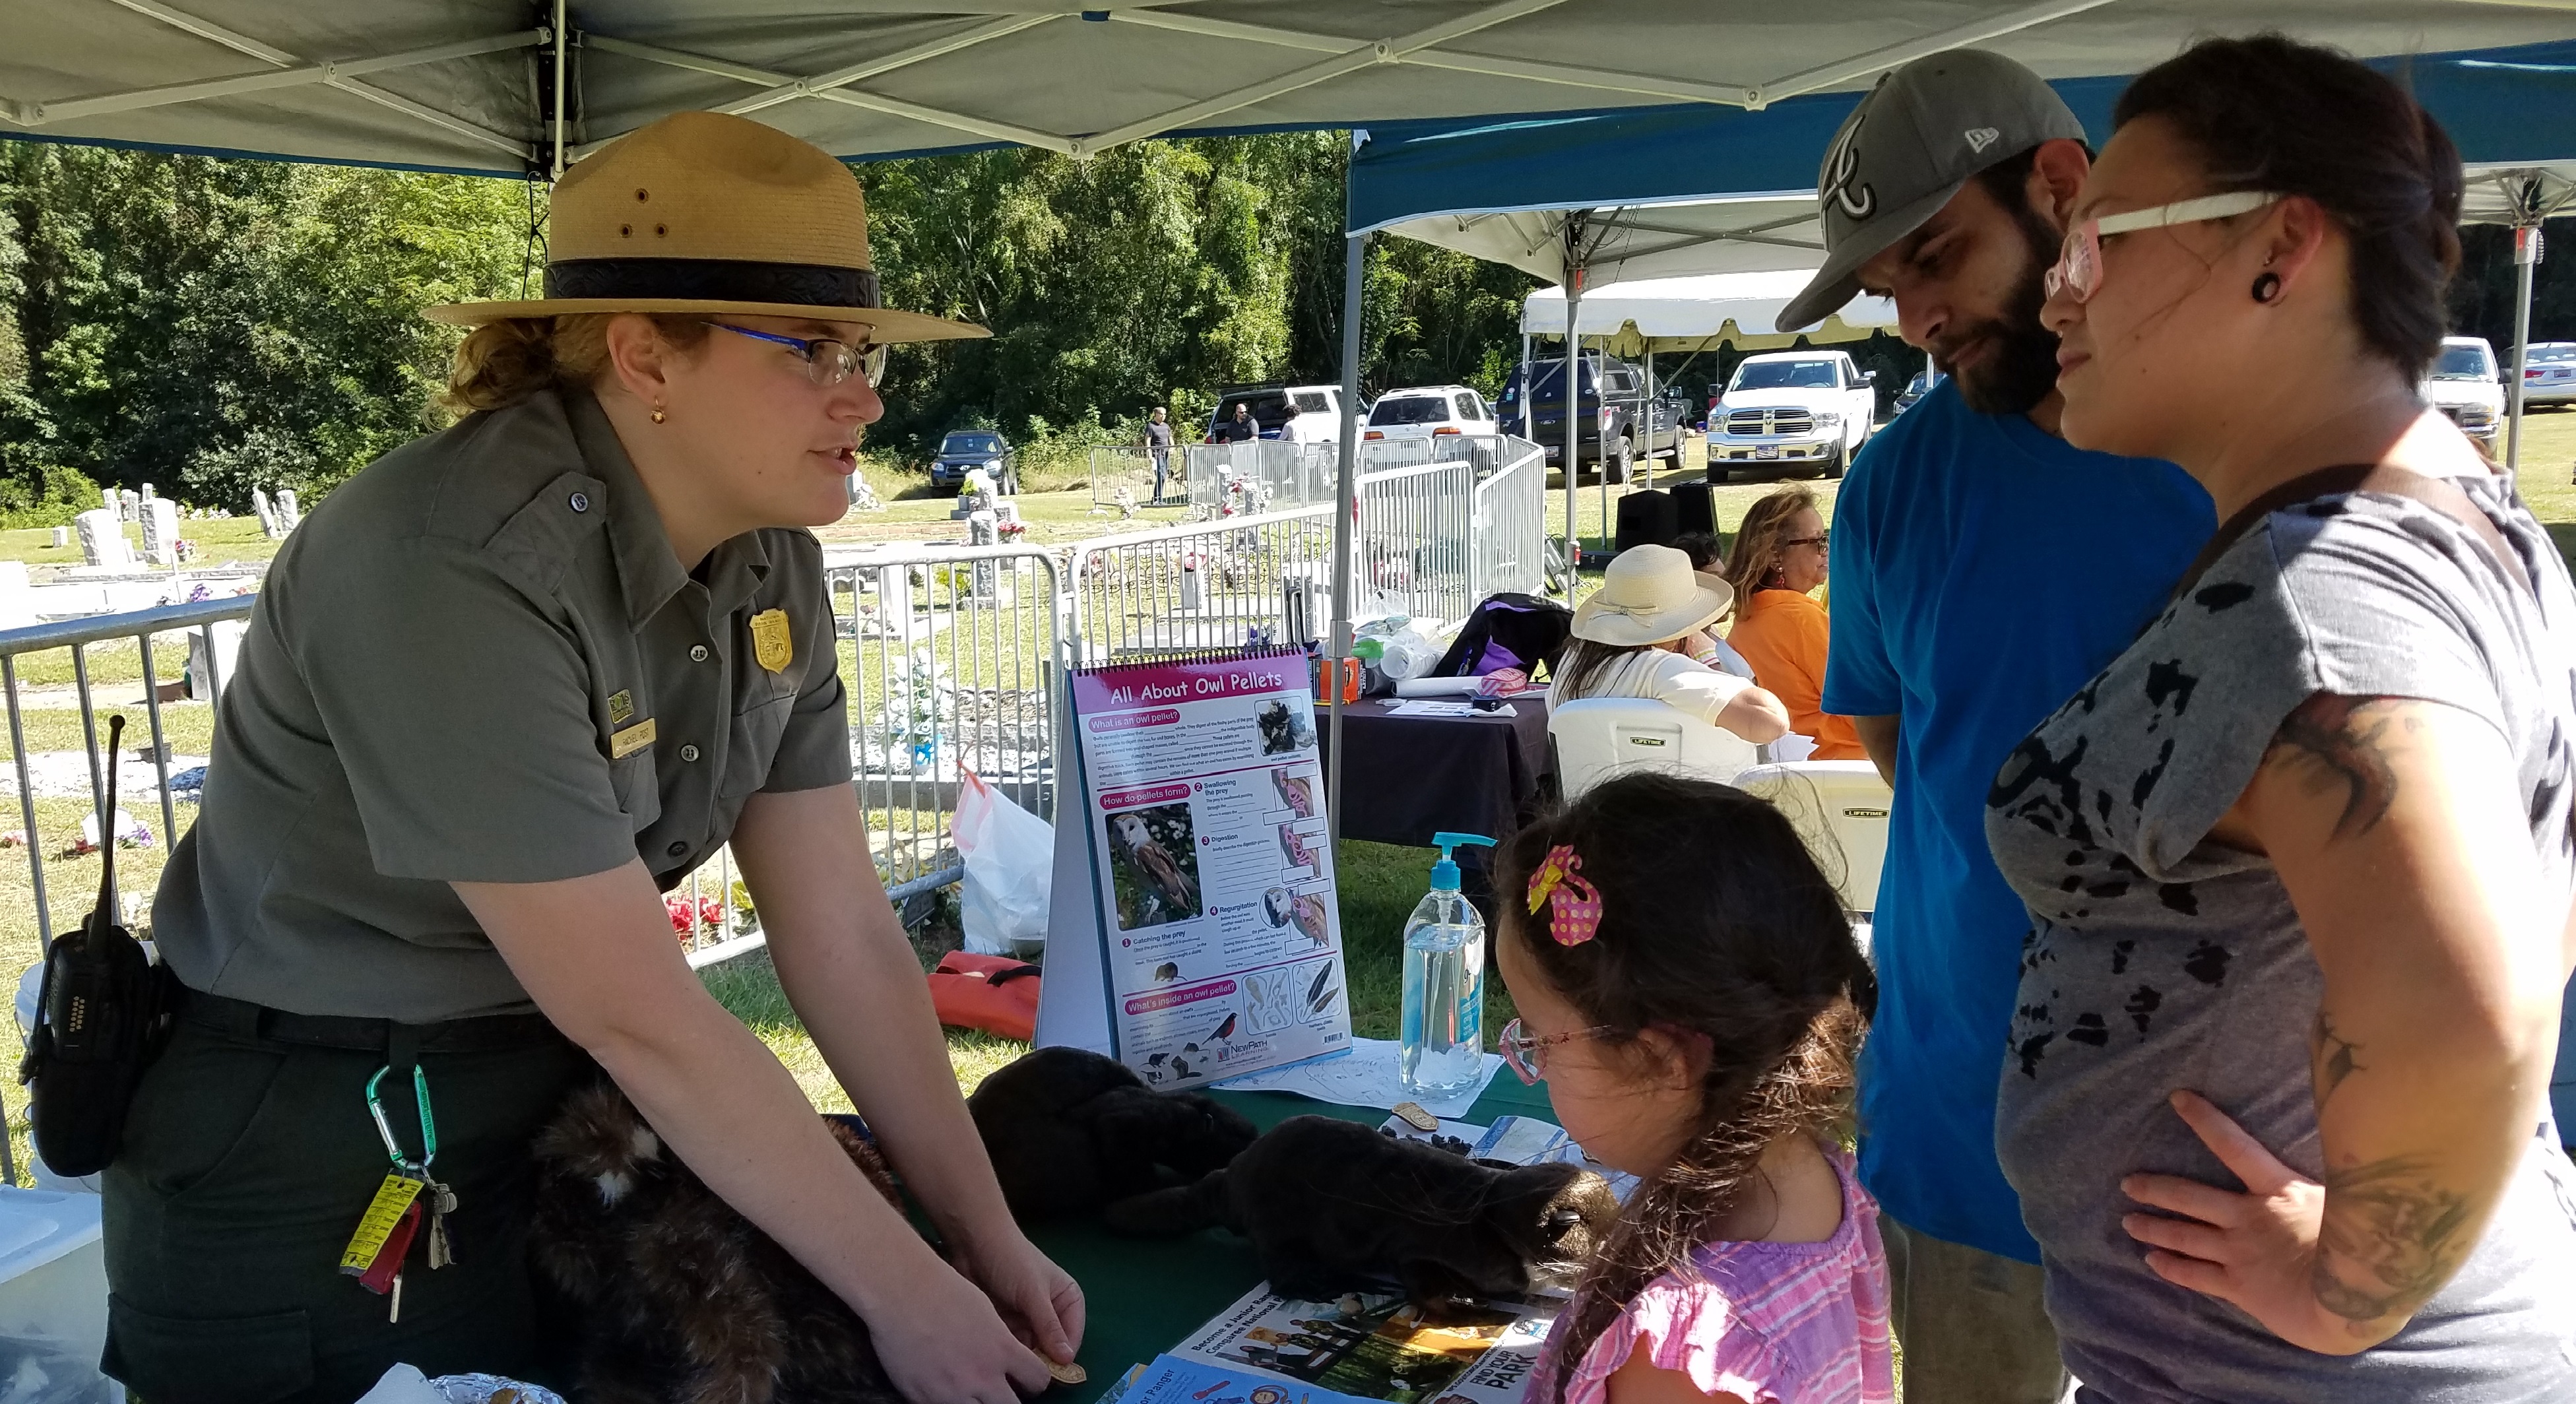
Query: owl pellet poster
column 1216, row 936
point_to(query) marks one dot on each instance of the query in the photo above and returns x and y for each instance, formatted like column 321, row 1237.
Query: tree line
column 209, row 325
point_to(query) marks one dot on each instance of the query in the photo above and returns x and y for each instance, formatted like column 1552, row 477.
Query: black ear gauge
column 2267, row 286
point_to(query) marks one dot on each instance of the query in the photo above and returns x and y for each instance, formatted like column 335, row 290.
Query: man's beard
column 2021, row 370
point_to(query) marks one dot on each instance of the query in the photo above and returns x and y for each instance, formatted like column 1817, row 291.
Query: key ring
column 428, row 1124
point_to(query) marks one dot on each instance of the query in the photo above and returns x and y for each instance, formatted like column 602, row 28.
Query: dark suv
column 1623, row 418
column 967, row 449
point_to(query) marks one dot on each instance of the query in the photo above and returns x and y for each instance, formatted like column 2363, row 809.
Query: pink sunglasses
column 2079, row 264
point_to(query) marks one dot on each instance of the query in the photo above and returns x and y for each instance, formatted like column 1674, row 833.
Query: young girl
column 1689, row 986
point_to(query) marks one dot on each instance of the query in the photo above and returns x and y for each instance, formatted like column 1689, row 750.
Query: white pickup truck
column 1791, row 409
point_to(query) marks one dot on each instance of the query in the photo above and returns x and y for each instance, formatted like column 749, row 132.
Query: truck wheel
column 1834, row 466
column 1616, row 469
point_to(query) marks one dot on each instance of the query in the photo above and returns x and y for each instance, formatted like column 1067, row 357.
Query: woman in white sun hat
column 504, row 688
column 1644, row 634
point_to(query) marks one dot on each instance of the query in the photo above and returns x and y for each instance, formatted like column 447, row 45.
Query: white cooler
column 53, row 1299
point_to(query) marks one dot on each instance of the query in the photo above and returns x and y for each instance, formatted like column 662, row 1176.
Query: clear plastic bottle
column 1444, row 982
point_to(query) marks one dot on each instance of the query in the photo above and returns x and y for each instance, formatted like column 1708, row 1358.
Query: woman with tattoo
column 2298, row 863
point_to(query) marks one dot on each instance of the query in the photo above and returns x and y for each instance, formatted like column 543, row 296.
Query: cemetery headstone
column 129, row 506
column 160, row 531
column 267, row 514
column 62, row 537
column 102, row 536
column 288, row 514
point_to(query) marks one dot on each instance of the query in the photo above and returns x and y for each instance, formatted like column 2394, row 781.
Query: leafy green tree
column 213, row 325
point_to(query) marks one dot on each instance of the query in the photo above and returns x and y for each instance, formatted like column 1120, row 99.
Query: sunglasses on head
column 2078, row 272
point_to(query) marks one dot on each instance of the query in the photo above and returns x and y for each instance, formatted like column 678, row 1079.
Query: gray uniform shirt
column 479, row 660
column 2159, row 961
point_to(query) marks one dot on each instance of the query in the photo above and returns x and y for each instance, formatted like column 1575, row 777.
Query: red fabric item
column 994, row 993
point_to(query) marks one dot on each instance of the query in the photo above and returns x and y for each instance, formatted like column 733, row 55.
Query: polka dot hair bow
column 1574, row 905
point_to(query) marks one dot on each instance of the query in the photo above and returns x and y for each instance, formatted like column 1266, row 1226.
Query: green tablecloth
column 1144, row 1295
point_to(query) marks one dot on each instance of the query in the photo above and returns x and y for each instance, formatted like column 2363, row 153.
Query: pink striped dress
column 1773, row 1323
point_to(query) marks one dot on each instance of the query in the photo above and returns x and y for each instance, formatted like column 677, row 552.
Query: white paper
column 1370, row 1075
column 1422, row 708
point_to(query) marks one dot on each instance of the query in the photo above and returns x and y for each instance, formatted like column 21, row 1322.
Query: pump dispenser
column 1444, row 982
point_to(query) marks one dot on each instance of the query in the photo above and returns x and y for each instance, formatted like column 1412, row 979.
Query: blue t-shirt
column 1983, row 570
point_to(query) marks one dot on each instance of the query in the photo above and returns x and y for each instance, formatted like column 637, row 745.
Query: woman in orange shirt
column 1779, row 557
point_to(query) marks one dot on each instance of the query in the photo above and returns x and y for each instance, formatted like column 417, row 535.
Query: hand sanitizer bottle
column 1444, row 983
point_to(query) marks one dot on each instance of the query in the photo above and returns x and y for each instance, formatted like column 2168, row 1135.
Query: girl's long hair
column 1716, row 925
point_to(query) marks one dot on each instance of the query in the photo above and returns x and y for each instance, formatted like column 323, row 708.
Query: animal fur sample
column 681, row 1300
column 1330, row 1205
column 1069, row 1131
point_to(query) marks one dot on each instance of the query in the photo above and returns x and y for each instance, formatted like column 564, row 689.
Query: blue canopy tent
column 1585, row 198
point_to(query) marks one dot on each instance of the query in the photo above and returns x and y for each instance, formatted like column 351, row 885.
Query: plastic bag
column 1010, row 861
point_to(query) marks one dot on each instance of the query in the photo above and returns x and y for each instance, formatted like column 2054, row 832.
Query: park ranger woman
column 501, row 689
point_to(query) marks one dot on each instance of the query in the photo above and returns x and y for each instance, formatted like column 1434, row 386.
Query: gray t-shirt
column 2160, row 961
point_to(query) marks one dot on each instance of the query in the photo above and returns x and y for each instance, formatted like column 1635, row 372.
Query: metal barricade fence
column 1510, row 542
column 1215, row 584
column 1131, row 467
column 951, row 657
column 1260, row 475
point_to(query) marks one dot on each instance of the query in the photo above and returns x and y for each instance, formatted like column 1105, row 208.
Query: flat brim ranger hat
column 703, row 212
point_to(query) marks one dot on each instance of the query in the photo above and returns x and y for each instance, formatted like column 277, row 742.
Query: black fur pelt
column 1331, row 1205
column 1068, row 1131
column 681, row 1299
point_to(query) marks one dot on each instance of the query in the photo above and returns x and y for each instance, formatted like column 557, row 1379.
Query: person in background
column 1696, row 1024
column 1296, row 428
column 2298, row 862
column 1644, row 633
column 1241, row 429
column 1158, row 446
column 1982, row 570
column 1779, row 628
column 1708, row 558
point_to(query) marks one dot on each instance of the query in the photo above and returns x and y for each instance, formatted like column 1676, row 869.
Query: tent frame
column 1425, row 48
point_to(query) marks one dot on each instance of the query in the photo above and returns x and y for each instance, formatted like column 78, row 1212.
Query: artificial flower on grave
column 708, row 912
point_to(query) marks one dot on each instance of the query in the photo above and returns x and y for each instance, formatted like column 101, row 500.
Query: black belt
column 483, row 1034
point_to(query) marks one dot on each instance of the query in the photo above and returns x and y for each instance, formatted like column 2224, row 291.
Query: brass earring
column 657, row 414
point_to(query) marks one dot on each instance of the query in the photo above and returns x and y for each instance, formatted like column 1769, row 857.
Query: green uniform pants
column 247, row 1162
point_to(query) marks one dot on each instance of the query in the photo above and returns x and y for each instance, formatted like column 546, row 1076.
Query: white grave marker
column 103, row 540
column 160, row 531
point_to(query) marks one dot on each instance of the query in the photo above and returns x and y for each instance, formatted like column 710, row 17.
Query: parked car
column 2463, row 384
column 1611, row 408
column 963, row 450
column 1786, row 409
column 1429, row 412
column 1321, row 404
column 1915, row 389
column 2549, row 373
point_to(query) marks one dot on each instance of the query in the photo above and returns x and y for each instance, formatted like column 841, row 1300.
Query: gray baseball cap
column 1909, row 146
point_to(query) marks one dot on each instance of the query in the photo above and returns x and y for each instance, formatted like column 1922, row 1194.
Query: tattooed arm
column 2398, row 829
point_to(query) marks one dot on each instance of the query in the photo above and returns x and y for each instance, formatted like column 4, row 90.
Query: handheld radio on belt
column 104, row 1013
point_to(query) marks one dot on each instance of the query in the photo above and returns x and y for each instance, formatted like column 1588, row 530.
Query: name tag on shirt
column 622, row 744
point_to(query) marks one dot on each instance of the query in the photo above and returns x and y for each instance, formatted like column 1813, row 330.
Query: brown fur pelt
column 681, row 1299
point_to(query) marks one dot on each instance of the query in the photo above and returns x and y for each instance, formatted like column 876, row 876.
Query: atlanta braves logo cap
column 1919, row 135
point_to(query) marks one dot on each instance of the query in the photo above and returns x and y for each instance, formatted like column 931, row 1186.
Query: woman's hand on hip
column 1027, row 1285
column 2256, row 1250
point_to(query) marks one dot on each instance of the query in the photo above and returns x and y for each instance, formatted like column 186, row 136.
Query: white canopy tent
column 1685, row 314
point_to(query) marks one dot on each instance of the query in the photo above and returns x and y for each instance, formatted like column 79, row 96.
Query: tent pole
column 1646, row 411
column 561, row 43
column 1573, row 403
column 1529, row 392
column 1345, row 520
column 1601, row 484
column 2526, row 252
